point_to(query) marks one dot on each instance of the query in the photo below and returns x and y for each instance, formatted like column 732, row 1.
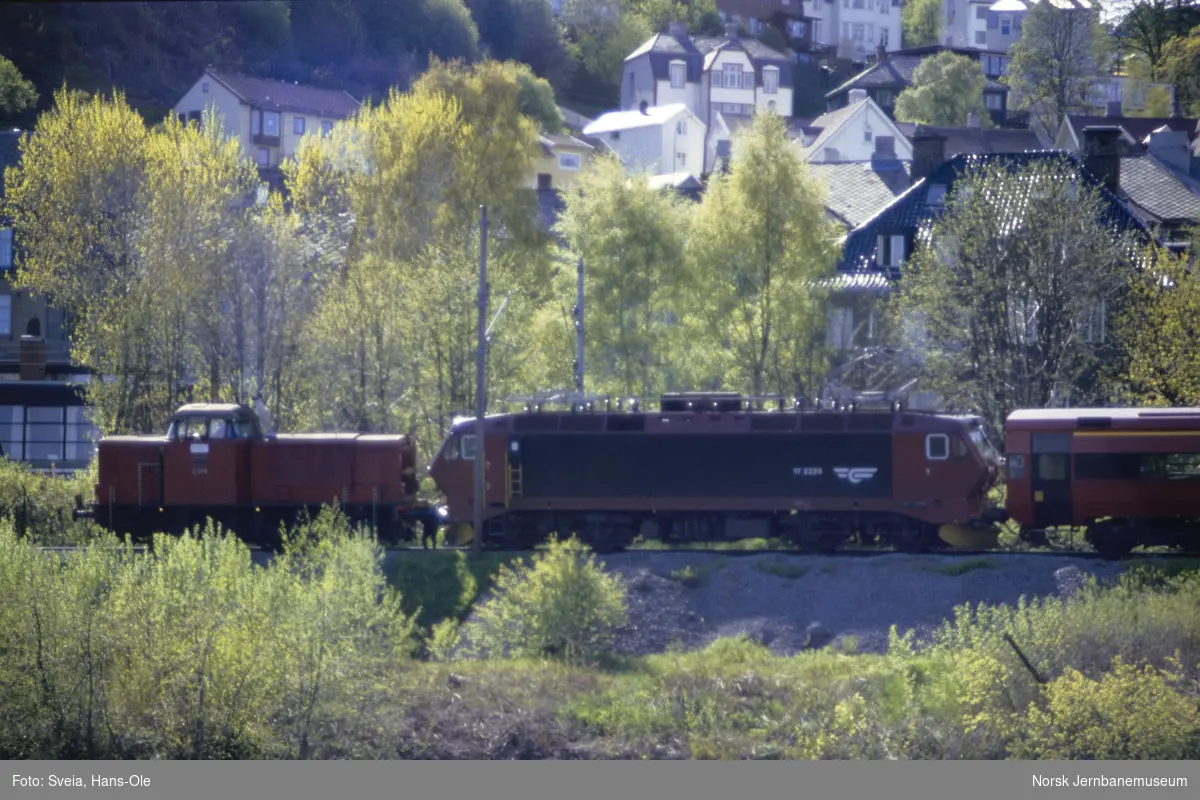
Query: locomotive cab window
column 960, row 448
column 1016, row 466
column 937, row 447
column 468, row 446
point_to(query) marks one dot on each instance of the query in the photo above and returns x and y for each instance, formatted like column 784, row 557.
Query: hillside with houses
column 903, row 113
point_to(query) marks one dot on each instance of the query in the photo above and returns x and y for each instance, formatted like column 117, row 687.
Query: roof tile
column 284, row 96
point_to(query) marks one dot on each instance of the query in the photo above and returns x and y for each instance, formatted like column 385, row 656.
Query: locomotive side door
column 1050, row 479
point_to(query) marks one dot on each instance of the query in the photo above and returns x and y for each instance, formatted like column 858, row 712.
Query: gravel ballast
column 791, row 603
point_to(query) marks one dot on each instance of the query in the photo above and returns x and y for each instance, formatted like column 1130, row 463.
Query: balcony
column 265, row 140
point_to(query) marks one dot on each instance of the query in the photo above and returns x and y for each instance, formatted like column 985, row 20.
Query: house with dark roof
column 43, row 420
column 713, row 76
column 1135, row 131
column 892, row 73
column 875, row 252
column 269, row 117
column 857, row 190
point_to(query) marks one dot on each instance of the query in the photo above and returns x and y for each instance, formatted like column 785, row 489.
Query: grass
column 443, row 585
column 781, row 569
column 956, row 568
column 694, row 576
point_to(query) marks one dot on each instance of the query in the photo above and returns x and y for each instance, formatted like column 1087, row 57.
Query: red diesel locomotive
column 706, row 468
column 216, row 462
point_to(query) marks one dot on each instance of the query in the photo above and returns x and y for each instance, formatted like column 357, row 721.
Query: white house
column 268, row 117
column 858, row 27
column 710, row 75
column 660, row 140
column 966, row 23
column 858, row 131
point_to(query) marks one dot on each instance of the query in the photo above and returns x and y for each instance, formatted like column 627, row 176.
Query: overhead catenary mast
column 480, row 361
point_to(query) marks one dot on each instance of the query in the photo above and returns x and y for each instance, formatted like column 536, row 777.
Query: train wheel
column 1110, row 540
column 917, row 538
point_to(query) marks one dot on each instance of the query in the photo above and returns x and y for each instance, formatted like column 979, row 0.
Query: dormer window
column 936, row 196
column 678, row 74
column 770, row 80
column 204, row 87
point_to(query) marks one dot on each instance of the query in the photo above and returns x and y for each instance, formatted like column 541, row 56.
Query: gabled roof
column 634, row 118
column 857, row 190
column 911, row 212
column 283, row 96
column 698, row 52
column 1136, row 128
column 896, row 71
column 829, row 123
column 1158, row 191
column 550, row 141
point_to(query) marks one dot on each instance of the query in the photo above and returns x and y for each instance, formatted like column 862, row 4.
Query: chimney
column 973, row 119
column 731, row 30
column 929, row 152
column 642, row 106
column 880, row 53
column 1102, row 154
column 1114, row 109
column 33, row 358
column 676, row 28
column 857, row 96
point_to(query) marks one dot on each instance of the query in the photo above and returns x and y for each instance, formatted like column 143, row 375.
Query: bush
column 40, row 505
column 193, row 651
column 564, row 605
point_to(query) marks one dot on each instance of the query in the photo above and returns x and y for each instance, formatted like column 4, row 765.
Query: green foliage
column 1129, row 714
column 1055, row 62
column 563, row 606
column 758, row 297
column 632, row 238
column 1157, row 328
column 998, row 308
column 921, row 22
column 945, row 90
column 38, row 505
column 16, row 93
column 957, row 568
column 442, row 586
column 191, row 650
column 1180, row 65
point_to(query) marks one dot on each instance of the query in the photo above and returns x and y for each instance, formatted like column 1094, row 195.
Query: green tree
column 1181, row 66
column 632, row 238
column 921, row 21
column 1001, row 301
column 945, row 90
column 16, row 93
column 760, row 244
column 563, row 605
column 1054, row 64
column 1147, row 26
column 1159, row 332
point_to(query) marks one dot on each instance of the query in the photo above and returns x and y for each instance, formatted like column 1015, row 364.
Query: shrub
column 1129, row 714
column 563, row 605
column 40, row 505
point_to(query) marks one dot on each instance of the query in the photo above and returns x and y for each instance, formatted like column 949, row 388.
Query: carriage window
column 1016, row 467
column 468, row 446
column 937, row 447
column 1052, row 466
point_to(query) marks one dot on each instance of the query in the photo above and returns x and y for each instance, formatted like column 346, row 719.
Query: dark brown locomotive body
column 726, row 473
column 215, row 462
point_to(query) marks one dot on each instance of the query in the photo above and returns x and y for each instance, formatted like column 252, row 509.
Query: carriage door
column 1050, row 479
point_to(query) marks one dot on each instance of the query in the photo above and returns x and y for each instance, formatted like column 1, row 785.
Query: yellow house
column 561, row 159
column 269, row 117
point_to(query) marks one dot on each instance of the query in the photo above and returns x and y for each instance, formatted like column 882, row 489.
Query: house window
column 204, row 87
column 264, row 157
column 5, row 315
column 681, row 127
column 733, row 75
column 265, row 123
column 883, row 37
column 980, row 37
column 818, row 29
column 1095, row 324
column 682, row 159
column 771, row 80
column 678, row 74
column 885, row 146
column 6, row 248
column 298, row 126
column 885, row 98
column 981, row 12
column 841, row 327
column 1005, row 25
column 936, row 196
column 326, row 127
column 569, row 160
column 890, row 250
column 993, row 101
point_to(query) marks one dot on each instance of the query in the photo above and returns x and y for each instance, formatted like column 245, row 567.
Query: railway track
column 1089, row 555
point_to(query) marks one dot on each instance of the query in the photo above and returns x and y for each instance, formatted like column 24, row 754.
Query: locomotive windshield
column 980, row 440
